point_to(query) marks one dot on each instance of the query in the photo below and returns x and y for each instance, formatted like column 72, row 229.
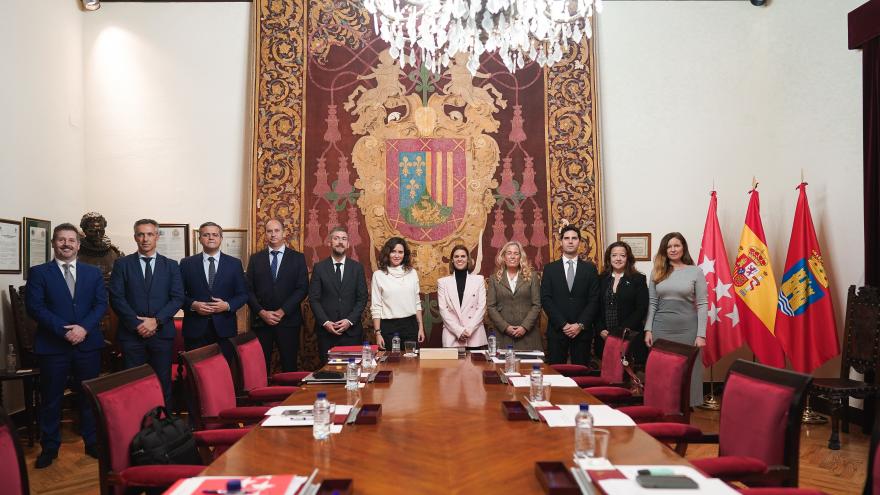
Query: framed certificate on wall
column 235, row 243
column 174, row 240
column 639, row 242
column 10, row 246
column 37, row 239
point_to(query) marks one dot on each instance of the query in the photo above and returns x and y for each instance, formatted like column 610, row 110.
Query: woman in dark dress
column 623, row 301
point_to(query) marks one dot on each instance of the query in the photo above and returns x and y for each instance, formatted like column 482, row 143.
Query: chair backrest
column 120, row 401
column 861, row 333
column 25, row 328
column 250, row 371
column 761, row 412
column 668, row 378
column 612, row 366
column 13, row 470
column 210, row 383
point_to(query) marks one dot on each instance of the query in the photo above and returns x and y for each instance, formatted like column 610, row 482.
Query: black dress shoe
column 92, row 450
column 45, row 458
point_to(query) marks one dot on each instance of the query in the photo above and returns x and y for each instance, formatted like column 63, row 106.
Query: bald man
column 277, row 284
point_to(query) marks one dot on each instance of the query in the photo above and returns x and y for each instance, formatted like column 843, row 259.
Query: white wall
column 167, row 114
column 699, row 92
column 41, row 125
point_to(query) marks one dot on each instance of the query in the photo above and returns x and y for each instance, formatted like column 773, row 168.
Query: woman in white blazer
column 461, row 297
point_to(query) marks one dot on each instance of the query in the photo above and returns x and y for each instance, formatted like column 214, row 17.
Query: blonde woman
column 514, row 299
column 677, row 303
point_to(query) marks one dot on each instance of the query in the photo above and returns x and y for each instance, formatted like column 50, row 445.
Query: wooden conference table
column 441, row 430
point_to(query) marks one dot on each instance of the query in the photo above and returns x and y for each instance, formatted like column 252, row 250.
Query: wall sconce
column 91, row 4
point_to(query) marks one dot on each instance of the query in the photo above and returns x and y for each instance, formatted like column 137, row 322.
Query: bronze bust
column 96, row 248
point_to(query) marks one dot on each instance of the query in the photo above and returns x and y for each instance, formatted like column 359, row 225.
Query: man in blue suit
column 67, row 299
column 146, row 291
column 214, row 288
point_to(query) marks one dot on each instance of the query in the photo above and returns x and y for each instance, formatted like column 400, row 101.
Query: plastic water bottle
column 352, row 375
column 321, row 412
column 536, row 384
column 395, row 343
column 367, row 357
column 583, row 433
column 493, row 344
column 11, row 360
column 510, row 361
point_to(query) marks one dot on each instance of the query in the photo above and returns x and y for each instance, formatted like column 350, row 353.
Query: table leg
column 28, row 384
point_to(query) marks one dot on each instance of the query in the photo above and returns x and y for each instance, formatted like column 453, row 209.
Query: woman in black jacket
column 623, row 298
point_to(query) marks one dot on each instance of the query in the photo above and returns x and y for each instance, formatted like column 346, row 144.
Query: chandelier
column 434, row 31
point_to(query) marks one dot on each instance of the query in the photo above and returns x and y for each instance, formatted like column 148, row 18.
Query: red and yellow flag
column 755, row 287
column 805, row 323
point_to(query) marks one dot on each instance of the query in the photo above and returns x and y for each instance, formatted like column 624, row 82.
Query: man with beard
column 96, row 248
column 338, row 295
column 278, row 281
column 67, row 299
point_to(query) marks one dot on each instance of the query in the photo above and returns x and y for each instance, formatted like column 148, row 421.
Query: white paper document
column 304, row 409
column 602, row 416
column 629, row 486
column 554, row 380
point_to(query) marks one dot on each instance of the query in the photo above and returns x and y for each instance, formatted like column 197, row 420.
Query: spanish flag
column 755, row 287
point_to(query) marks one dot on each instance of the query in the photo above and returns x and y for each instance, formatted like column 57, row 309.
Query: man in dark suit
column 146, row 292
column 278, row 281
column 214, row 288
column 67, row 299
column 570, row 296
column 338, row 294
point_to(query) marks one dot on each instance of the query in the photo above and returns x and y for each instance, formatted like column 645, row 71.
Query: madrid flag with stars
column 755, row 288
column 805, row 322
column 722, row 328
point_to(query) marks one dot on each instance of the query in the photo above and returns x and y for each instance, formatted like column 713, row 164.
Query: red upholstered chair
column 120, row 402
column 13, row 470
column 667, row 386
column 572, row 370
column 212, row 391
column 250, row 374
column 760, row 427
column 612, row 366
column 178, row 371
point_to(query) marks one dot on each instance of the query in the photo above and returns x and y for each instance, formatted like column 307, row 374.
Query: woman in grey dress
column 513, row 300
column 677, row 303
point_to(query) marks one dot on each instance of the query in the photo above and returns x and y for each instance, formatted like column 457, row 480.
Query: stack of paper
column 629, row 486
column 554, row 380
column 602, row 416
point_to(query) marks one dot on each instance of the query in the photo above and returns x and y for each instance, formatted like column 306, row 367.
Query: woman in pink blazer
column 462, row 300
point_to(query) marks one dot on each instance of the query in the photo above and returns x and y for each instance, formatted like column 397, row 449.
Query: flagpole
column 709, row 401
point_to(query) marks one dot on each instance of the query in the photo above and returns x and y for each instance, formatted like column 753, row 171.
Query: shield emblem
column 427, row 179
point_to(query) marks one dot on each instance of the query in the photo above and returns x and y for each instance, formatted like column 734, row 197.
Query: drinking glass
column 410, row 348
column 600, row 447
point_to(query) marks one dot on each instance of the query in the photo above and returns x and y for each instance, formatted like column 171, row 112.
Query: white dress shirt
column 574, row 265
column 341, row 267
column 280, row 255
column 143, row 263
column 72, row 267
column 206, row 263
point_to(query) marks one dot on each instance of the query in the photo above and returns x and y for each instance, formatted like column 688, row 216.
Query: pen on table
column 308, row 482
column 227, row 492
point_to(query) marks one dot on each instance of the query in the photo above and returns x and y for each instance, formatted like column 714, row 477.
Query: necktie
column 569, row 274
column 68, row 277
column 338, row 272
column 148, row 271
column 274, row 265
column 212, row 272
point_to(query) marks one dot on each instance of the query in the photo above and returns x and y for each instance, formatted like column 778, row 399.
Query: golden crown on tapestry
column 434, row 31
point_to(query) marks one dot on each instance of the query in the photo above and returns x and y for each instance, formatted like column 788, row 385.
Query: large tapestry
column 345, row 136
